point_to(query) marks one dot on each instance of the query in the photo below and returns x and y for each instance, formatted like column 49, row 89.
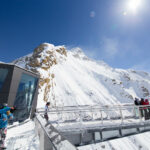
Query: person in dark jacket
column 136, row 101
column 4, row 116
column 137, row 109
column 141, row 108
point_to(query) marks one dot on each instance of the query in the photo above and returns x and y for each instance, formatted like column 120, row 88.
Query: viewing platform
column 92, row 124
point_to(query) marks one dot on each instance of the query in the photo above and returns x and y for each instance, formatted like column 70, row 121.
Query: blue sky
column 105, row 29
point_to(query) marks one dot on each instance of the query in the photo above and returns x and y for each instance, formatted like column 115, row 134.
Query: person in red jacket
column 146, row 113
column 146, row 102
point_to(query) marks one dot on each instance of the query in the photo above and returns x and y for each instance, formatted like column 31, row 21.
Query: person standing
column 142, row 108
column 46, row 111
column 148, row 109
column 136, row 101
column 145, row 111
column 4, row 116
column 147, row 116
column 137, row 109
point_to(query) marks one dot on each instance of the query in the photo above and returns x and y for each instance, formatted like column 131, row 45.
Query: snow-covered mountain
column 69, row 77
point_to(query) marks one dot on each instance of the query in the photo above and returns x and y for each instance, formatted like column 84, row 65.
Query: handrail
column 46, row 132
column 55, row 138
column 115, row 114
column 108, row 107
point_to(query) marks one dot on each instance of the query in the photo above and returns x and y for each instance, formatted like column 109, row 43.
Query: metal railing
column 119, row 114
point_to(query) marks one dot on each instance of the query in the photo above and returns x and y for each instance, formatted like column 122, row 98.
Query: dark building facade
column 19, row 88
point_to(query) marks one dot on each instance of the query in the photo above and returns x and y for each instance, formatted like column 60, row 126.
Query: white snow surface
column 79, row 80
column 136, row 142
column 22, row 137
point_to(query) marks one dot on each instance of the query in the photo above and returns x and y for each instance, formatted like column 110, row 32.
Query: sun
column 134, row 5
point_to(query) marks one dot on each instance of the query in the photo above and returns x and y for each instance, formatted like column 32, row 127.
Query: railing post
column 139, row 112
column 121, row 115
column 92, row 112
column 101, row 116
column 134, row 110
column 80, row 114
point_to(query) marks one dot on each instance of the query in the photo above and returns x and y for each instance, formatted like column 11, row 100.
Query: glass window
column 24, row 97
column 3, row 75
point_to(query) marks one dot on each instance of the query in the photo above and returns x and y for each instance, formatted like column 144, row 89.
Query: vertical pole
column 81, row 139
column 121, row 115
column 120, row 132
column 101, row 116
column 101, row 135
column 61, row 115
column 80, row 121
column 92, row 112
column 138, row 130
column 93, row 137
column 139, row 113
column 134, row 111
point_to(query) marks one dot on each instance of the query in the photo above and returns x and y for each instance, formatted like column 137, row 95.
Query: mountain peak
column 42, row 47
column 78, row 53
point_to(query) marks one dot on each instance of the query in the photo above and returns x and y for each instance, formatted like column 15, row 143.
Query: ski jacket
column 4, row 110
column 137, row 102
column 144, row 103
column 4, row 116
column 46, row 109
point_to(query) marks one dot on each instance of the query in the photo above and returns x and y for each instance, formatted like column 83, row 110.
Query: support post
column 101, row 135
column 93, row 137
column 140, row 117
column 81, row 139
column 138, row 130
column 120, row 132
column 92, row 112
column 101, row 116
column 121, row 115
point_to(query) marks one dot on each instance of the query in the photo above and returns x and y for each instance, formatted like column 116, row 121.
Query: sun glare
column 134, row 5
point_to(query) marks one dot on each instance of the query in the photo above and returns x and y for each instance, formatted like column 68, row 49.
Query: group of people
column 144, row 108
column 5, row 114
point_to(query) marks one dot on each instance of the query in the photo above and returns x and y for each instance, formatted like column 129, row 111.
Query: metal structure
column 91, row 124
column 50, row 138
column 19, row 88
